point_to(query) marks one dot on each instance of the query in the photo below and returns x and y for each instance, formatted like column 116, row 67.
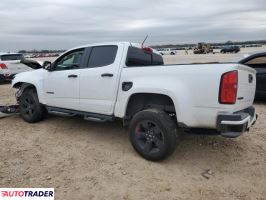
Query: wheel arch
column 140, row 101
column 22, row 86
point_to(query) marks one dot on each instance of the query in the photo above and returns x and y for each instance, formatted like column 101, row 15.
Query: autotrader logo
column 26, row 193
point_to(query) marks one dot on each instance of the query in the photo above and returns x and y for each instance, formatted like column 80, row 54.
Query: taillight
column 228, row 88
column 3, row 66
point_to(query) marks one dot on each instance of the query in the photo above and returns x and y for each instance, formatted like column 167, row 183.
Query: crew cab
column 122, row 80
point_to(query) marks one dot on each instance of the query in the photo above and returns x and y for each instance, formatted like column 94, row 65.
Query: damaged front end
column 32, row 63
column 9, row 109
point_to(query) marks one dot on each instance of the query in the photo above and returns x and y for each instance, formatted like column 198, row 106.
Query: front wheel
column 29, row 106
column 153, row 134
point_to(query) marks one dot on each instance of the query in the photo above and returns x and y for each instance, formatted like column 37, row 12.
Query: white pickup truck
column 102, row 82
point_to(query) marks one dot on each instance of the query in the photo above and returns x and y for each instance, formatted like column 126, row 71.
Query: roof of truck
column 107, row 43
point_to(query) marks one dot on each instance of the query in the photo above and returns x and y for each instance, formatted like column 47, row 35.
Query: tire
column 153, row 134
column 30, row 108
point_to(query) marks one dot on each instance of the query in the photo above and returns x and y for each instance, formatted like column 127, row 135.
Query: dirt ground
column 88, row 160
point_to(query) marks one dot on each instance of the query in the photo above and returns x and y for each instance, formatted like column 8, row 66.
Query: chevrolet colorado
column 101, row 82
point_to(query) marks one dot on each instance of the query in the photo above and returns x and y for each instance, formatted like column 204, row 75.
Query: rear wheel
column 153, row 134
column 29, row 106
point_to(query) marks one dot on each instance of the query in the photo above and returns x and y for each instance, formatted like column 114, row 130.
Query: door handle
column 72, row 76
column 107, row 75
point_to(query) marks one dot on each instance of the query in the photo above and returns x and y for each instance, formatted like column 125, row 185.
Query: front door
column 61, row 85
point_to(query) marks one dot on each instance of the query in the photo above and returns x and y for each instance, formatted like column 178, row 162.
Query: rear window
column 11, row 57
column 139, row 57
column 102, row 56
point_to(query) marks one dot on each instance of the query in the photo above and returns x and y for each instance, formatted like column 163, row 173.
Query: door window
column 102, row 56
column 71, row 60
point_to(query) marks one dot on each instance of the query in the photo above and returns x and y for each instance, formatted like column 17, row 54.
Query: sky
column 62, row 24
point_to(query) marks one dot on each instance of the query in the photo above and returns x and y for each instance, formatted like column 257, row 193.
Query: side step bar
column 86, row 115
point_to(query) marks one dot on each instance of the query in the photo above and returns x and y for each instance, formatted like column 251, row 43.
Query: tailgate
column 246, row 85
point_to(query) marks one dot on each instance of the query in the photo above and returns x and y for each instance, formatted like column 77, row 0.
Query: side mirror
column 47, row 65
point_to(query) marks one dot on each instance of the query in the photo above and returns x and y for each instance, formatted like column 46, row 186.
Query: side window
column 138, row 57
column 71, row 60
column 257, row 61
column 102, row 56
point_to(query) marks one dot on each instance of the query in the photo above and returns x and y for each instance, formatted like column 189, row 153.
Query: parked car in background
column 14, row 63
column 257, row 61
column 106, row 81
column 230, row 49
column 10, row 65
column 167, row 51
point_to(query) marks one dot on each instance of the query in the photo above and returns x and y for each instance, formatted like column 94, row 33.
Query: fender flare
column 22, row 88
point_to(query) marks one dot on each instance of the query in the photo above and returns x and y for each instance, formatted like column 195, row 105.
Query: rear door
column 99, row 80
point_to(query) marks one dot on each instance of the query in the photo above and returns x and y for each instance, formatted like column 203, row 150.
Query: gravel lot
column 86, row 160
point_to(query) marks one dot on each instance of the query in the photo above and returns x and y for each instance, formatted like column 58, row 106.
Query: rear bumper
column 233, row 125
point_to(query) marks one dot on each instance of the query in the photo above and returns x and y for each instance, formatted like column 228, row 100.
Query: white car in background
column 14, row 63
column 167, row 51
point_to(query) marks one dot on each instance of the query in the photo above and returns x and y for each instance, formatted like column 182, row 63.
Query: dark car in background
column 230, row 49
column 257, row 61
